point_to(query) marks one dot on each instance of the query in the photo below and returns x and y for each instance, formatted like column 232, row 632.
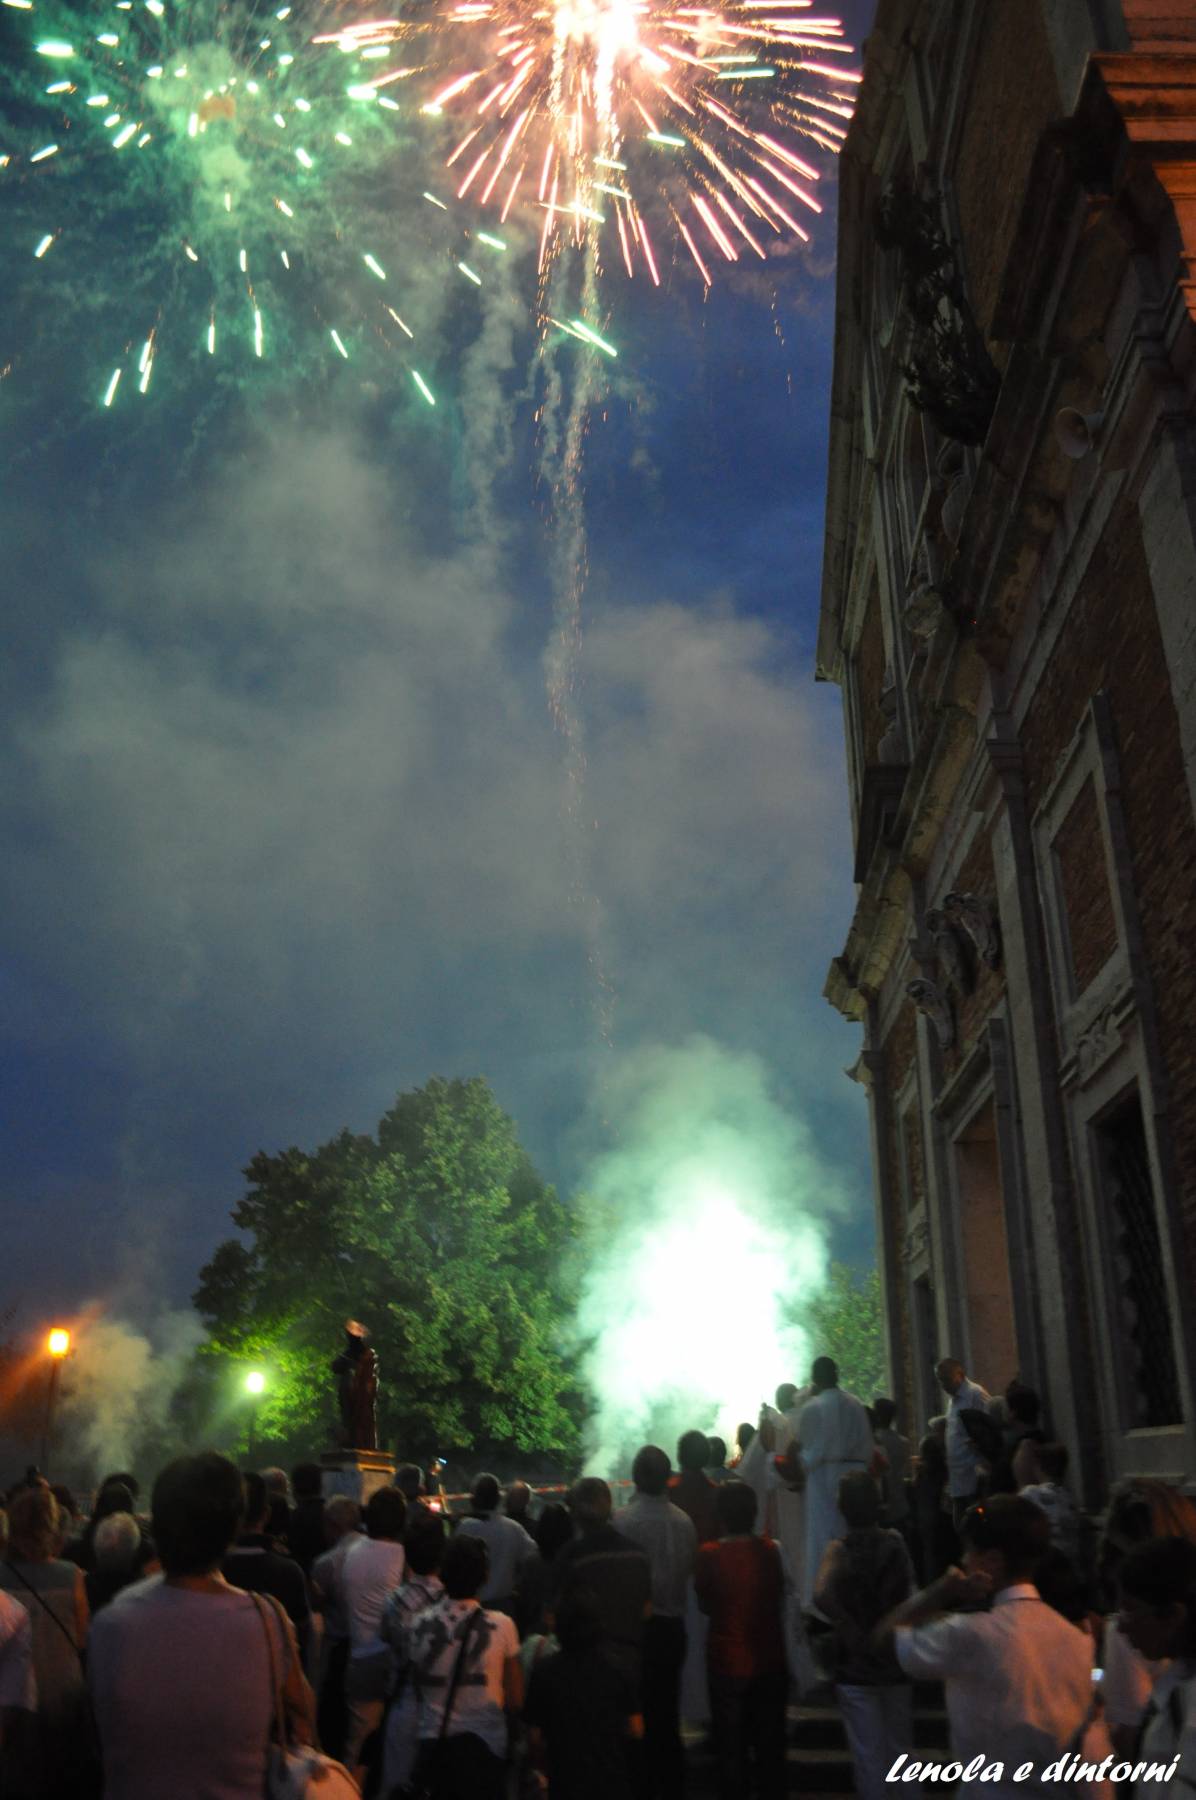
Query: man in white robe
column 755, row 1465
column 835, row 1439
column 788, row 1504
column 781, row 1514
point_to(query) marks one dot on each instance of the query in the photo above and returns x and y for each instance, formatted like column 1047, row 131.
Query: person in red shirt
column 741, row 1587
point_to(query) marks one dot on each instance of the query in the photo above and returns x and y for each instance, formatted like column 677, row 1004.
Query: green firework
column 201, row 191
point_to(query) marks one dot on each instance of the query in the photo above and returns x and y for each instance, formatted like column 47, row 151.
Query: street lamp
column 255, row 1387
column 58, row 1344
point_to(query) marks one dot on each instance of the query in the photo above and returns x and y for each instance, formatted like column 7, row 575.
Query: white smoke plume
column 118, row 1390
column 708, row 1223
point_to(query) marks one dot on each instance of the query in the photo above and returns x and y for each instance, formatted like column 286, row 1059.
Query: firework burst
column 200, row 183
column 641, row 116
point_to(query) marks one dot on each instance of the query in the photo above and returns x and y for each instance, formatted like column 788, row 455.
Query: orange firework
column 594, row 113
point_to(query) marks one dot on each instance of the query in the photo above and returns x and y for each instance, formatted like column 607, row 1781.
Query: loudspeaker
column 1076, row 432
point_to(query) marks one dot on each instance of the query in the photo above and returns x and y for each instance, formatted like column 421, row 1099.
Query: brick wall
column 1084, row 879
column 1012, row 95
column 910, row 1124
column 1112, row 642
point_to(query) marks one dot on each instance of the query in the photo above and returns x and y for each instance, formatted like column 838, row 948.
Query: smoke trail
column 565, row 423
column 707, row 1225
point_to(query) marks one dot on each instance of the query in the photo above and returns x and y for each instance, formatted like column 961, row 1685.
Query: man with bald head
column 517, row 1503
column 963, row 1461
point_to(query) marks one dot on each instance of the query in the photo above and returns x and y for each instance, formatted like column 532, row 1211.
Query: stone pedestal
column 357, row 1473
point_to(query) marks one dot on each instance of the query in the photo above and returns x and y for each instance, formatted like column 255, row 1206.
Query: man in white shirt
column 371, row 1570
column 963, row 1461
column 835, row 1439
column 508, row 1545
column 667, row 1537
column 1017, row 1677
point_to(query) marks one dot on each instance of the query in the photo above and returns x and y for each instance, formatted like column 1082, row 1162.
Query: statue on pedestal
column 356, row 1371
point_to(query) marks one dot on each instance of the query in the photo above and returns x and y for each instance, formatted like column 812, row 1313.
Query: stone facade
column 1009, row 606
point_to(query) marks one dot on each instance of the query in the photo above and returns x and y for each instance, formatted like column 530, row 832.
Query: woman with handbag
column 183, row 1685
column 52, row 1756
column 465, row 1663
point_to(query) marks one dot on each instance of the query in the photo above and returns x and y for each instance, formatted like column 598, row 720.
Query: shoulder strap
column 276, row 1682
column 457, row 1668
column 67, row 1633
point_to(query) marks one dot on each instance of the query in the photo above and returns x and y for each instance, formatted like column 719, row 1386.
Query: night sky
column 285, row 823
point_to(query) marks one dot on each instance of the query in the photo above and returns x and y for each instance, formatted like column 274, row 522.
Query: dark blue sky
column 284, row 819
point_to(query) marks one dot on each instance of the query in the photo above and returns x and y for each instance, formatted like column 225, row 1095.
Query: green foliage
column 442, row 1238
column 844, row 1320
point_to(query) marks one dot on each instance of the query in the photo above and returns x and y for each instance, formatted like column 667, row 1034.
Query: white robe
column 756, row 1468
column 753, row 1467
column 835, row 1439
column 789, row 1526
column 788, row 1508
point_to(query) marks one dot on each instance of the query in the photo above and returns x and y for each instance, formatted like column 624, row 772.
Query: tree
column 442, row 1237
column 843, row 1320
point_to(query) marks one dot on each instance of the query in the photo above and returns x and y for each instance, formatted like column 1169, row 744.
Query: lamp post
column 255, row 1387
column 58, row 1344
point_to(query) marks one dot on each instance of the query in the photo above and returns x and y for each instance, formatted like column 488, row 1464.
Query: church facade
column 1009, row 608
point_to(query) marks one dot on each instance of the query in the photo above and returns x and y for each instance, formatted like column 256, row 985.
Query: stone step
column 818, row 1762
column 822, row 1727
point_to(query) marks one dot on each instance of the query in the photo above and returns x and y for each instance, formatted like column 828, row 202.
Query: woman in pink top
column 180, row 1664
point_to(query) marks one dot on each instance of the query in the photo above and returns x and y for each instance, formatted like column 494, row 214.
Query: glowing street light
column 58, row 1344
column 255, row 1387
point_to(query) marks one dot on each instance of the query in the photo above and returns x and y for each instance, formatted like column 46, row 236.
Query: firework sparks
column 604, row 111
column 194, row 173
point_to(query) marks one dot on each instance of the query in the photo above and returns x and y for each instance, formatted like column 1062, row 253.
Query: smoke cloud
column 289, row 828
column 708, row 1222
column 119, row 1390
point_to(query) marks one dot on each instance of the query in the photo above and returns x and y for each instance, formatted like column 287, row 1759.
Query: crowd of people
column 573, row 1649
